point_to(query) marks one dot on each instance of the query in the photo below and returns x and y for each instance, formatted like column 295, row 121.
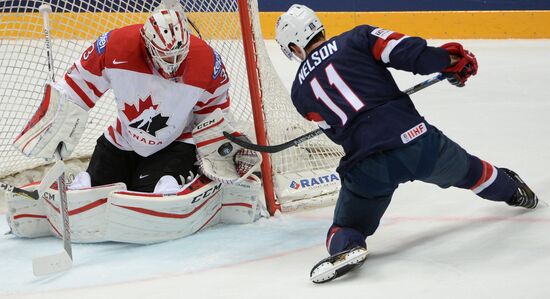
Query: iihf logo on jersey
column 217, row 65
column 145, row 117
column 413, row 133
column 102, row 42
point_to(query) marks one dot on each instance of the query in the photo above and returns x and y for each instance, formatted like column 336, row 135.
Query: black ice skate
column 524, row 196
column 339, row 264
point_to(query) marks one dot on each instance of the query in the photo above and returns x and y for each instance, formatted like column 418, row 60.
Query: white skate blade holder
column 51, row 264
column 326, row 271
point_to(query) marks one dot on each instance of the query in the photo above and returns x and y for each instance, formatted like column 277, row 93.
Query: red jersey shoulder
column 125, row 49
column 121, row 48
column 204, row 67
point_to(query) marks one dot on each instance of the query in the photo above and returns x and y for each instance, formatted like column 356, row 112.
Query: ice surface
column 432, row 243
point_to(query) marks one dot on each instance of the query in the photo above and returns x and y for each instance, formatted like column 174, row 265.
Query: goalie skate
column 338, row 264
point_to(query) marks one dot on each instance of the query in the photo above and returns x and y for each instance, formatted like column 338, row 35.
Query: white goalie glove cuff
column 57, row 120
column 220, row 159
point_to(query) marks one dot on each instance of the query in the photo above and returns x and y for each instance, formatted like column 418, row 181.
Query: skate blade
column 542, row 204
column 327, row 271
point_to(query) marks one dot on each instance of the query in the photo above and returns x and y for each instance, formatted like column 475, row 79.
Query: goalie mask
column 297, row 26
column 166, row 37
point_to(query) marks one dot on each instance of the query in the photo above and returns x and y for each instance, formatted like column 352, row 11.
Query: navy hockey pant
column 368, row 187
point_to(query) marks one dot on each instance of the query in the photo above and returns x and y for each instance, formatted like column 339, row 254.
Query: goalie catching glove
column 220, row 159
column 57, row 120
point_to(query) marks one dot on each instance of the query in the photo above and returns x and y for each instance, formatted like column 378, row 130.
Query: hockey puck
column 225, row 149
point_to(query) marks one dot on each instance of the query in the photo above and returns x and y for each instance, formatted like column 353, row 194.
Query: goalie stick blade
column 338, row 265
column 51, row 264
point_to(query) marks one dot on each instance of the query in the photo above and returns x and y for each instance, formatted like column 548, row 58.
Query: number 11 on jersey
column 347, row 94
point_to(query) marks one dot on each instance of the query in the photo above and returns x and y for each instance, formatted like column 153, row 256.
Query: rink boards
column 489, row 19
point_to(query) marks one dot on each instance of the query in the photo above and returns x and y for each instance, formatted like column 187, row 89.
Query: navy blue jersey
column 345, row 86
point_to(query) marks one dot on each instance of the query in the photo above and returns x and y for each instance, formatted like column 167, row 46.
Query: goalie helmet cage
column 299, row 177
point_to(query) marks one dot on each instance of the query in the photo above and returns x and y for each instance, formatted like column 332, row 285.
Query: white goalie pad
column 220, row 159
column 110, row 213
column 243, row 202
column 87, row 209
column 27, row 217
column 57, row 120
column 37, row 218
column 143, row 218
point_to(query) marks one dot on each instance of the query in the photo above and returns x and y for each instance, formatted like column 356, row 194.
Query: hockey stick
column 307, row 136
column 61, row 261
column 49, row 178
column 9, row 188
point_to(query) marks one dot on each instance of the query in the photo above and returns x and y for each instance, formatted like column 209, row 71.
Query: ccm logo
column 206, row 193
column 205, row 124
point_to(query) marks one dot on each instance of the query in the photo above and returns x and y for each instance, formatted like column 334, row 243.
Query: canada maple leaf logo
column 145, row 117
column 132, row 113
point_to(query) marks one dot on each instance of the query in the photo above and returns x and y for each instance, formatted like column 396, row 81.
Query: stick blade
column 50, row 264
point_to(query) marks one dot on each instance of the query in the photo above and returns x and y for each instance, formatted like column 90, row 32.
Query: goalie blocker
column 111, row 213
column 57, row 120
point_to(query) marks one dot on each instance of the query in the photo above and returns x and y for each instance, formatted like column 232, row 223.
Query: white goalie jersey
column 152, row 111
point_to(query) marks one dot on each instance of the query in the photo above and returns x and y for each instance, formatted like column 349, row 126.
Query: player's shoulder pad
column 115, row 40
column 205, row 67
column 124, row 48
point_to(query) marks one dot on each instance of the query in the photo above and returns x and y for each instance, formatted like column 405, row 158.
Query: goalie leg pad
column 87, row 209
column 145, row 218
column 27, row 217
column 57, row 120
column 243, row 202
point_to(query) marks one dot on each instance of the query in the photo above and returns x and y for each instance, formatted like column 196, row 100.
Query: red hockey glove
column 458, row 73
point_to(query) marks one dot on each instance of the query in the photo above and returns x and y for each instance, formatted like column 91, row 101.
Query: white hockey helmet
column 297, row 26
column 166, row 37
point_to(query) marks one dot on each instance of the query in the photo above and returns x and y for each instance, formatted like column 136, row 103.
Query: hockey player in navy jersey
column 343, row 84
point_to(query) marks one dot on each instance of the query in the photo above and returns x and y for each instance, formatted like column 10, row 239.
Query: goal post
column 256, row 103
column 301, row 176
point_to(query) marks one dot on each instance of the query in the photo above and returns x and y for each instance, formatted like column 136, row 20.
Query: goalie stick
column 62, row 261
column 307, row 136
column 49, row 178
column 9, row 188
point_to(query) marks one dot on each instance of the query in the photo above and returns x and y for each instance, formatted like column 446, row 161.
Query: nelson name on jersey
column 316, row 58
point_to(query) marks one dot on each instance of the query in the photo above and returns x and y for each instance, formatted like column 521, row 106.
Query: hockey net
column 303, row 176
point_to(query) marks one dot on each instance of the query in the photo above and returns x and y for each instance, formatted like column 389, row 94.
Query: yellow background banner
column 437, row 24
column 440, row 24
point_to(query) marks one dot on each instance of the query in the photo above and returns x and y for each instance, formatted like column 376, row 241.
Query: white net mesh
column 74, row 24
